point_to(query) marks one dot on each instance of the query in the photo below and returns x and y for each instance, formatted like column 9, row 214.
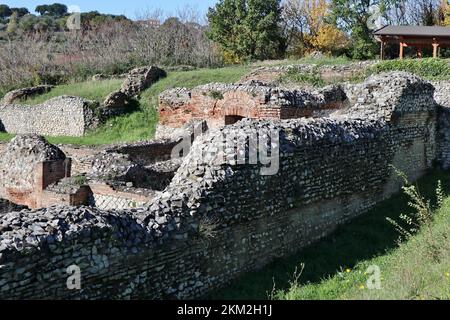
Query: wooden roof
column 414, row 31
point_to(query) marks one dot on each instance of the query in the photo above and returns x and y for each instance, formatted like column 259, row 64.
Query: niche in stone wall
column 232, row 119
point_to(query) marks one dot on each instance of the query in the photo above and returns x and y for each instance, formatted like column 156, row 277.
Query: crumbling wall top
column 385, row 94
column 19, row 160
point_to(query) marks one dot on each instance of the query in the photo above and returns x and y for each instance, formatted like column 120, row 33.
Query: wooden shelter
column 418, row 37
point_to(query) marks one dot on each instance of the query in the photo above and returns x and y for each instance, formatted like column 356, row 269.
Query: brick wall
column 31, row 193
column 215, row 102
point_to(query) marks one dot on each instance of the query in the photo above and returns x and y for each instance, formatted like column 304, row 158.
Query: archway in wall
column 232, row 119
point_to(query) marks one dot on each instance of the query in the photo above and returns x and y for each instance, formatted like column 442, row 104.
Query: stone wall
column 136, row 81
column 25, row 93
column 8, row 206
column 52, row 196
column 219, row 218
column 27, row 167
column 442, row 97
column 105, row 197
column 146, row 152
column 216, row 103
column 61, row 116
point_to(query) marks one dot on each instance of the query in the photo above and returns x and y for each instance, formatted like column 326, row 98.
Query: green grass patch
column 293, row 76
column 5, row 137
column 429, row 68
column 190, row 79
column 91, row 90
column 325, row 61
column 141, row 124
column 335, row 266
column 315, row 79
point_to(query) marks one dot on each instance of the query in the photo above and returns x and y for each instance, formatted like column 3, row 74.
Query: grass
column 315, row 79
column 5, row 137
column 325, row 61
column 91, row 90
column 141, row 124
column 335, row 266
column 293, row 76
column 429, row 68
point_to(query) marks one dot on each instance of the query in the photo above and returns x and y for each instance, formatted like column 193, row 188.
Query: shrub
column 428, row 68
column 217, row 95
column 422, row 210
column 79, row 180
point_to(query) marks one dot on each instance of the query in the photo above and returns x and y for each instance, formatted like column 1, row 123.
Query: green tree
column 247, row 29
column 354, row 16
column 42, row 9
column 42, row 25
column 56, row 9
column 20, row 11
column 5, row 11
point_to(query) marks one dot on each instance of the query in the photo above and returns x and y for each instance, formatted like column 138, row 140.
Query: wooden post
column 401, row 50
column 382, row 54
column 435, row 49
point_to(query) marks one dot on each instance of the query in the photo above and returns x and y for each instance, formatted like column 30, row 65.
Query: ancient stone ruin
column 28, row 165
column 113, row 177
column 220, row 213
column 221, row 104
column 24, row 93
column 71, row 116
column 136, row 81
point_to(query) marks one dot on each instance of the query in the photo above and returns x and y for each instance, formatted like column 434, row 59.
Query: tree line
column 267, row 29
column 245, row 30
column 53, row 17
column 38, row 48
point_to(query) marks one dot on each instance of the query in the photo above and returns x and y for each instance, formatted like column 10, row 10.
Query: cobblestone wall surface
column 61, row 116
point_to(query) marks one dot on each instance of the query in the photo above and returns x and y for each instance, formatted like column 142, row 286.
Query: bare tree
column 414, row 12
column 112, row 47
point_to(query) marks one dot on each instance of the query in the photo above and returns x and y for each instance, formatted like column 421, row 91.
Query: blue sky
column 130, row 8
